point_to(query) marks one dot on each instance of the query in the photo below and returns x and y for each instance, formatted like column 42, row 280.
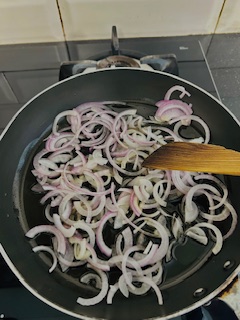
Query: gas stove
column 121, row 58
column 178, row 56
column 184, row 58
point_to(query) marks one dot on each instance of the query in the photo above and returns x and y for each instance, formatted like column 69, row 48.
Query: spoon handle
column 195, row 157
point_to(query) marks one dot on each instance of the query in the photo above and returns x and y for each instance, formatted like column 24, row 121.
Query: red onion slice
column 113, row 289
column 67, row 232
column 61, row 248
column 197, row 234
column 73, row 113
column 219, row 238
column 123, row 285
column 51, row 252
column 99, row 234
column 176, row 88
column 171, row 109
column 89, row 277
column 101, row 295
column 152, row 284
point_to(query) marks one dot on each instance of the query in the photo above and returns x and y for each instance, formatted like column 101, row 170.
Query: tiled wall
column 229, row 21
column 93, row 18
column 28, row 21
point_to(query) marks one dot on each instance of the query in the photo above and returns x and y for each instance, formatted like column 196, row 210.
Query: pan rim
column 113, row 70
column 194, row 306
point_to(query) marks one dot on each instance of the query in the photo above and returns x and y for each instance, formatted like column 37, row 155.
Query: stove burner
column 120, row 58
column 117, row 61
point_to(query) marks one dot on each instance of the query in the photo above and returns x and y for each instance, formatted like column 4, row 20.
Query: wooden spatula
column 195, row 157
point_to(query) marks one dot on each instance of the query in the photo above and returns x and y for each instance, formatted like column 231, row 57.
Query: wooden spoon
column 195, row 157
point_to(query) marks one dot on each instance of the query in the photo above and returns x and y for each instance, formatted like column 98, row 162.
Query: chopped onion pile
column 106, row 212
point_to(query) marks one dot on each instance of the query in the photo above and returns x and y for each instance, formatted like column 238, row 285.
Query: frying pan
column 193, row 278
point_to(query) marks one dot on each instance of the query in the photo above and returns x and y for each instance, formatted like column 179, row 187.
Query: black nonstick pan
column 195, row 277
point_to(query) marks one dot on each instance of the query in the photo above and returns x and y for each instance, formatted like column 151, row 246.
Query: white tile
column 229, row 21
column 28, row 21
column 92, row 19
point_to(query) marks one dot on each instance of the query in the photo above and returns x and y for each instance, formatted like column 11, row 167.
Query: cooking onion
column 51, row 252
column 101, row 295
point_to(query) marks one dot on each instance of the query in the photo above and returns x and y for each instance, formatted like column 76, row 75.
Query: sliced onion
column 101, row 295
column 151, row 283
column 176, row 88
column 172, row 109
column 85, row 227
column 197, row 234
column 99, row 234
column 66, row 260
column 234, row 220
column 113, row 289
column 64, row 114
column 148, row 257
column 177, row 227
column 89, row 277
column 191, row 210
column 197, row 119
column 67, row 232
column 219, row 238
column 123, row 285
column 80, row 250
column 220, row 184
column 51, row 252
column 49, row 229
column 125, row 260
column 95, row 261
